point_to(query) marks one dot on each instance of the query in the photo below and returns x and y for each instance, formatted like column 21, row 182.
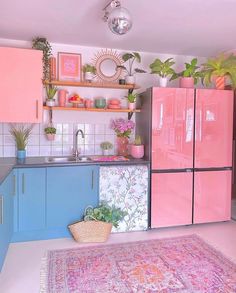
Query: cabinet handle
column 92, row 179
column 14, row 184
column 23, row 183
column 1, row 217
column 37, row 109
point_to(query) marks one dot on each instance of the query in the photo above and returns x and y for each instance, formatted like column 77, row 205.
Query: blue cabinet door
column 6, row 215
column 69, row 191
column 31, row 199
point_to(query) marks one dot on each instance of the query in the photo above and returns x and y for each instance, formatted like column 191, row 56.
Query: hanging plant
column 43, row 45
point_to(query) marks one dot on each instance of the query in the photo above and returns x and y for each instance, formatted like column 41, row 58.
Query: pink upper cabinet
column 172, row 128
column 21, row 85
column 214, row 128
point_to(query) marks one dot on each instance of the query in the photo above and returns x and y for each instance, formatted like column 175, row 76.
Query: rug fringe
column 43, row 275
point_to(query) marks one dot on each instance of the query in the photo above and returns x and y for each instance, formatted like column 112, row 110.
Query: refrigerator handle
column 233, row 162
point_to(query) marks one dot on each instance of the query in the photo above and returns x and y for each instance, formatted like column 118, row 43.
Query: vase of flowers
column 123, row 129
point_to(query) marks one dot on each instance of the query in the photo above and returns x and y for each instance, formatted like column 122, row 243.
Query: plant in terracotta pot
column 218, row 69
column 131, row 99
column 131, row 58
column 163, row 69
column 106, row 146
column 97, row 223
column 50, row 132
column 189, row 76
column 123, row 129
column 89, row 71
column 51, row 91
column 137, row 148
column 21, row 135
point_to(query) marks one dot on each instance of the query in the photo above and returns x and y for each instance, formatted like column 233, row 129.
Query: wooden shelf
column 92, row 84
column 90, row 109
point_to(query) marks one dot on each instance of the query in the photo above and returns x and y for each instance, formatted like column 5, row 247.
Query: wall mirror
column 106, row 62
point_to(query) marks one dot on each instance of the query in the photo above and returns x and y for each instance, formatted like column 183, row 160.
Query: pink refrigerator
column 188, row 137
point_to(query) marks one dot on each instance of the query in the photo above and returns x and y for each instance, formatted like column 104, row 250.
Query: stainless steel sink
column 67, row 159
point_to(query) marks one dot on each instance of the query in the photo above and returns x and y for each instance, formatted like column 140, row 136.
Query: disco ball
column 119, row 21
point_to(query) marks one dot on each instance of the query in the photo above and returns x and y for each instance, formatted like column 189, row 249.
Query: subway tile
column 110, row 137
column 9, row 151
column 56, row 151
column 67, row 139
column 67, row 150
column 89, row 139
column 8, row 140
column 1, row 128
column 35, row 129
column 1, row 139
column 89, row 149
column 43, row 141
column 6, row 128
column 108, row 129
column 78, row 126
column 67, row 128
column 33, row 140
column 99, row 129
column 45, row 150
column 89, row 129
column 58, row 140
column 97, row 150
column 99, row 139
column 1, row 151
column 58, row 127
column 32, row 151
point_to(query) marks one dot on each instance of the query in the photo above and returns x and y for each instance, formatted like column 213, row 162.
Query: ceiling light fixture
column 119, row 19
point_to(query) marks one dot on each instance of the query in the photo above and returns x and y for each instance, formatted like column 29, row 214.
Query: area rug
column 182, row 264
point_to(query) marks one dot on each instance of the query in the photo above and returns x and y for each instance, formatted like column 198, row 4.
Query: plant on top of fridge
column 163, row 69
column 122, row 127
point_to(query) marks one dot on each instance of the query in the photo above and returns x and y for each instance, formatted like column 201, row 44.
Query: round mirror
column 106, row 63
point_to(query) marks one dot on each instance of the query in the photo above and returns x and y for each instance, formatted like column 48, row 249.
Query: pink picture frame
column 69, row 66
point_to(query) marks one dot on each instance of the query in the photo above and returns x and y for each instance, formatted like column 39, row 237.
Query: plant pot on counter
column 21, row 154
column 137, row 151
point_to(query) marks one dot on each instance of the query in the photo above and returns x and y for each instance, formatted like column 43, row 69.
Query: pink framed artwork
column 69, row 66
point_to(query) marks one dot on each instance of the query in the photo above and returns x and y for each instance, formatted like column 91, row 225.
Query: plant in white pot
column 131, row 99
column 89, row 71
column 21, row 135
column 137, row 148
column 130, row 58
column 50, row 132
column 51, row 91
column 106, row 146
column 163, row 69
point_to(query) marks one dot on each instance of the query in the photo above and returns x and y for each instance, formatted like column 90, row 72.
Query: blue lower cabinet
column 6, row 215
column 69, row 191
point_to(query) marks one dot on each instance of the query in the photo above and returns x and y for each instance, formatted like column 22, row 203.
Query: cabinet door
column 212, row 196
column 69, row 191
column 6, row 216
column 31, row 205
column 171, row 199
column 21, row 85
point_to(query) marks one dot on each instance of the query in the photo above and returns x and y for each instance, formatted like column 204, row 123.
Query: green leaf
column 127, row 56
column 137, row 56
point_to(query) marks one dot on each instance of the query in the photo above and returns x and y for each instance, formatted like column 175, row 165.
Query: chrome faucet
column 76, row 150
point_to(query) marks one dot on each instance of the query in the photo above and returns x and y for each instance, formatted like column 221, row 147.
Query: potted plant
column 131, row 58
column 137, row 148
column 51, row 91
column 189, row 76
column 106, row 146
column 89, row 70
column 50, row 132
column 131, row 99
column 218, row 69
column 163, row 69
column 97, row 223
column 21, row 135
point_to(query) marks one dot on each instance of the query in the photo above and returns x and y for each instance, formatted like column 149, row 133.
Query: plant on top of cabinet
column 106, row 146
column 137, row 148
column 42, row 44
column 189, row 76
column 131, row 99
column 21, row 135
column 89, row 71
column 218, row 69
column 51, row 91
column 131, row 58
column 97, row 223
column 163, row 69
column 50, row 132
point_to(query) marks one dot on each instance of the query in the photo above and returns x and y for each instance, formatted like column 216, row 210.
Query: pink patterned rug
column 182, row 264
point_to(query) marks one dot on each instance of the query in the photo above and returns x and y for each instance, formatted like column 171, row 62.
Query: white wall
column 87, row 120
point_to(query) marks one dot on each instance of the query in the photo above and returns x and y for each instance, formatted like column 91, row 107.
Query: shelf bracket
column 130, row 114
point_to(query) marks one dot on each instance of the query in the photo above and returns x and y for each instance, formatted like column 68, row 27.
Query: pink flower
column 122, row 127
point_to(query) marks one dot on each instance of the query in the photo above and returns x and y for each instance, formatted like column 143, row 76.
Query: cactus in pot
column 137, row 148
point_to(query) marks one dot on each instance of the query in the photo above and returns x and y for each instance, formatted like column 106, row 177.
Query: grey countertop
column 7, row 164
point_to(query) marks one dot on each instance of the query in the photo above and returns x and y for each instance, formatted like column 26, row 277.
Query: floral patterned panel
column 126, row 187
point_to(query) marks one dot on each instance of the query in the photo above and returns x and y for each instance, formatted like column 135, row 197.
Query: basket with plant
column 50, row 91
column 89, row 71
column 50, row 132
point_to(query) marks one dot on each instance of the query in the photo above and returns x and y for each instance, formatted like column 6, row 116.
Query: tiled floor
column 22, row 267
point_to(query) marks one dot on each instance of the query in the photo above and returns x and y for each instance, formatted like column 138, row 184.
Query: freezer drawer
column 212, row 196
column 171, row 199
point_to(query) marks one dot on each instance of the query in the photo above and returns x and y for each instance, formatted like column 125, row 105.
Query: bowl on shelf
column 100, row 103
column 77, row 104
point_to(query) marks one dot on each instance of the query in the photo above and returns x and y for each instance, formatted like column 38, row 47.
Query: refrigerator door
column 213, row 128
column 212, row 196
column 172, row 128
column 171, row 200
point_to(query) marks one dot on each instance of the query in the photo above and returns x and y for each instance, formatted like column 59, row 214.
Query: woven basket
column 90, row 231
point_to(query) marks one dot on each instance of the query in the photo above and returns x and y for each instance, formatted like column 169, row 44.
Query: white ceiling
column 187, row 27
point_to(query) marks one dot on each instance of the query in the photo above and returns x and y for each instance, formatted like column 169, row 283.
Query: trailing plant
column 221, row 65
column 89, row 68
column 163, row 69
column 131, row 58
column 51, row 91
column 21, row 135
column 106, row 145
column 50, row 130
column 104, row 213
column 191, row 70
column 138, row 140
column 131, row 97
column 40, row 43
